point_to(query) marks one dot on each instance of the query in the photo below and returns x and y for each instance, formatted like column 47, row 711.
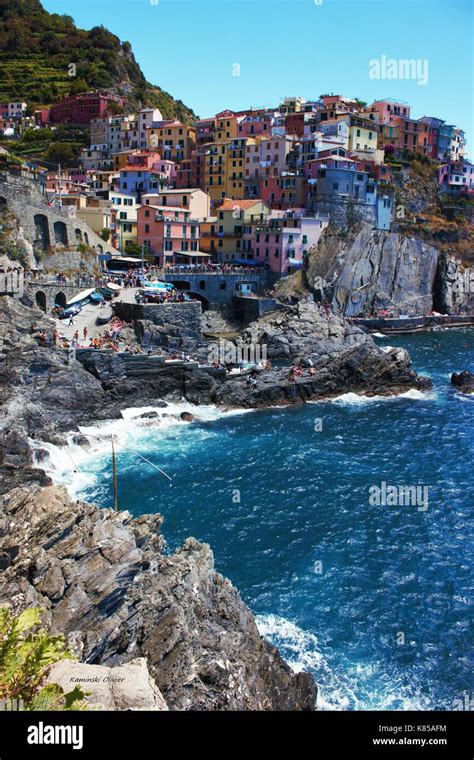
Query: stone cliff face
column 364, row 270
column 373, row 270
column 454, row 290
column 105, row 582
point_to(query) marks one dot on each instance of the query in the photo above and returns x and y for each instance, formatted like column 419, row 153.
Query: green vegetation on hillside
column 61, row 145
column 38, row 48
column 26, row 654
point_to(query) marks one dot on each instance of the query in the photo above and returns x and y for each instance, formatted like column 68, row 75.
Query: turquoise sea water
column 375, row 600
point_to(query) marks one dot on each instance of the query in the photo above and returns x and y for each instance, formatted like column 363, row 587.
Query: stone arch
column 86, row 238
column 60, row 299
column 100, row 248
column 202, row 284
column 60, row 233
column 3, row 201
column 78, row 234
column 181, row 284
column 42, row 231
column 40, row 298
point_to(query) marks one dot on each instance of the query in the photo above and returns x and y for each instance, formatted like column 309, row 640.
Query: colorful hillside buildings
column 256, row 186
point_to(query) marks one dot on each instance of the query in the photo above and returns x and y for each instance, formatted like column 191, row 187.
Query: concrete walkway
column 87, row 318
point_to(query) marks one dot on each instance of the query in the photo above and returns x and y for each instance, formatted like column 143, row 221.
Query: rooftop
column 229, row 204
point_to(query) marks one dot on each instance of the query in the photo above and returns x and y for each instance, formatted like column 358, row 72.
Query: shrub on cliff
column 26, row 654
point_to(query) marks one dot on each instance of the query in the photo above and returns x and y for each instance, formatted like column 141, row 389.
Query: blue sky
column 294, row 47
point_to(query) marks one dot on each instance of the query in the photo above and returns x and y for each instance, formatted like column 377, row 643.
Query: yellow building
column 226, row 126
column 362, row 134
column 291, row 105
column 235, row 180
column 173, row 140
column 221, row 235
column 215, row 170
column 97, row 217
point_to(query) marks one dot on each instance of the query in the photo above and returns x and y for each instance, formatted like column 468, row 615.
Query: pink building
column 387, row 110
column 145, row 160
column 170, row 234
column 169, row 169
column 283, row 192
column 457, row 178
column 283, row 238
column 258, row 123
column 267, row 157
column 66, row 183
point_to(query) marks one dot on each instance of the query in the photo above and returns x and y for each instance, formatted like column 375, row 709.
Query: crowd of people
column 209, row 269
column 162, row 296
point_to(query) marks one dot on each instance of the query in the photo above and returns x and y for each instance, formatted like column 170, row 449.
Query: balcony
column 268, row 229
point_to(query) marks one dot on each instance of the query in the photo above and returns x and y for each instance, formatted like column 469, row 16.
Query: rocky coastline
column 104, row 578
column 463, row 381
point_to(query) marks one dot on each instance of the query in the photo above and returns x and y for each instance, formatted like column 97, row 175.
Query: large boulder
column 125, row 687
column 463, row 381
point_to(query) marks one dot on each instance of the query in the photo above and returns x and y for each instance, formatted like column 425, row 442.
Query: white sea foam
column 336, row 691
column 300, row 650
column 75, row 465
column 356, row 399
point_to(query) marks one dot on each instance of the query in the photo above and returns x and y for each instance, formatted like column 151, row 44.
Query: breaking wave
column 76, row 465
column 336, row 691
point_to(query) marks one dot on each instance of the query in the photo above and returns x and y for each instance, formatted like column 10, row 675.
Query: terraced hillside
column 38, row 47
